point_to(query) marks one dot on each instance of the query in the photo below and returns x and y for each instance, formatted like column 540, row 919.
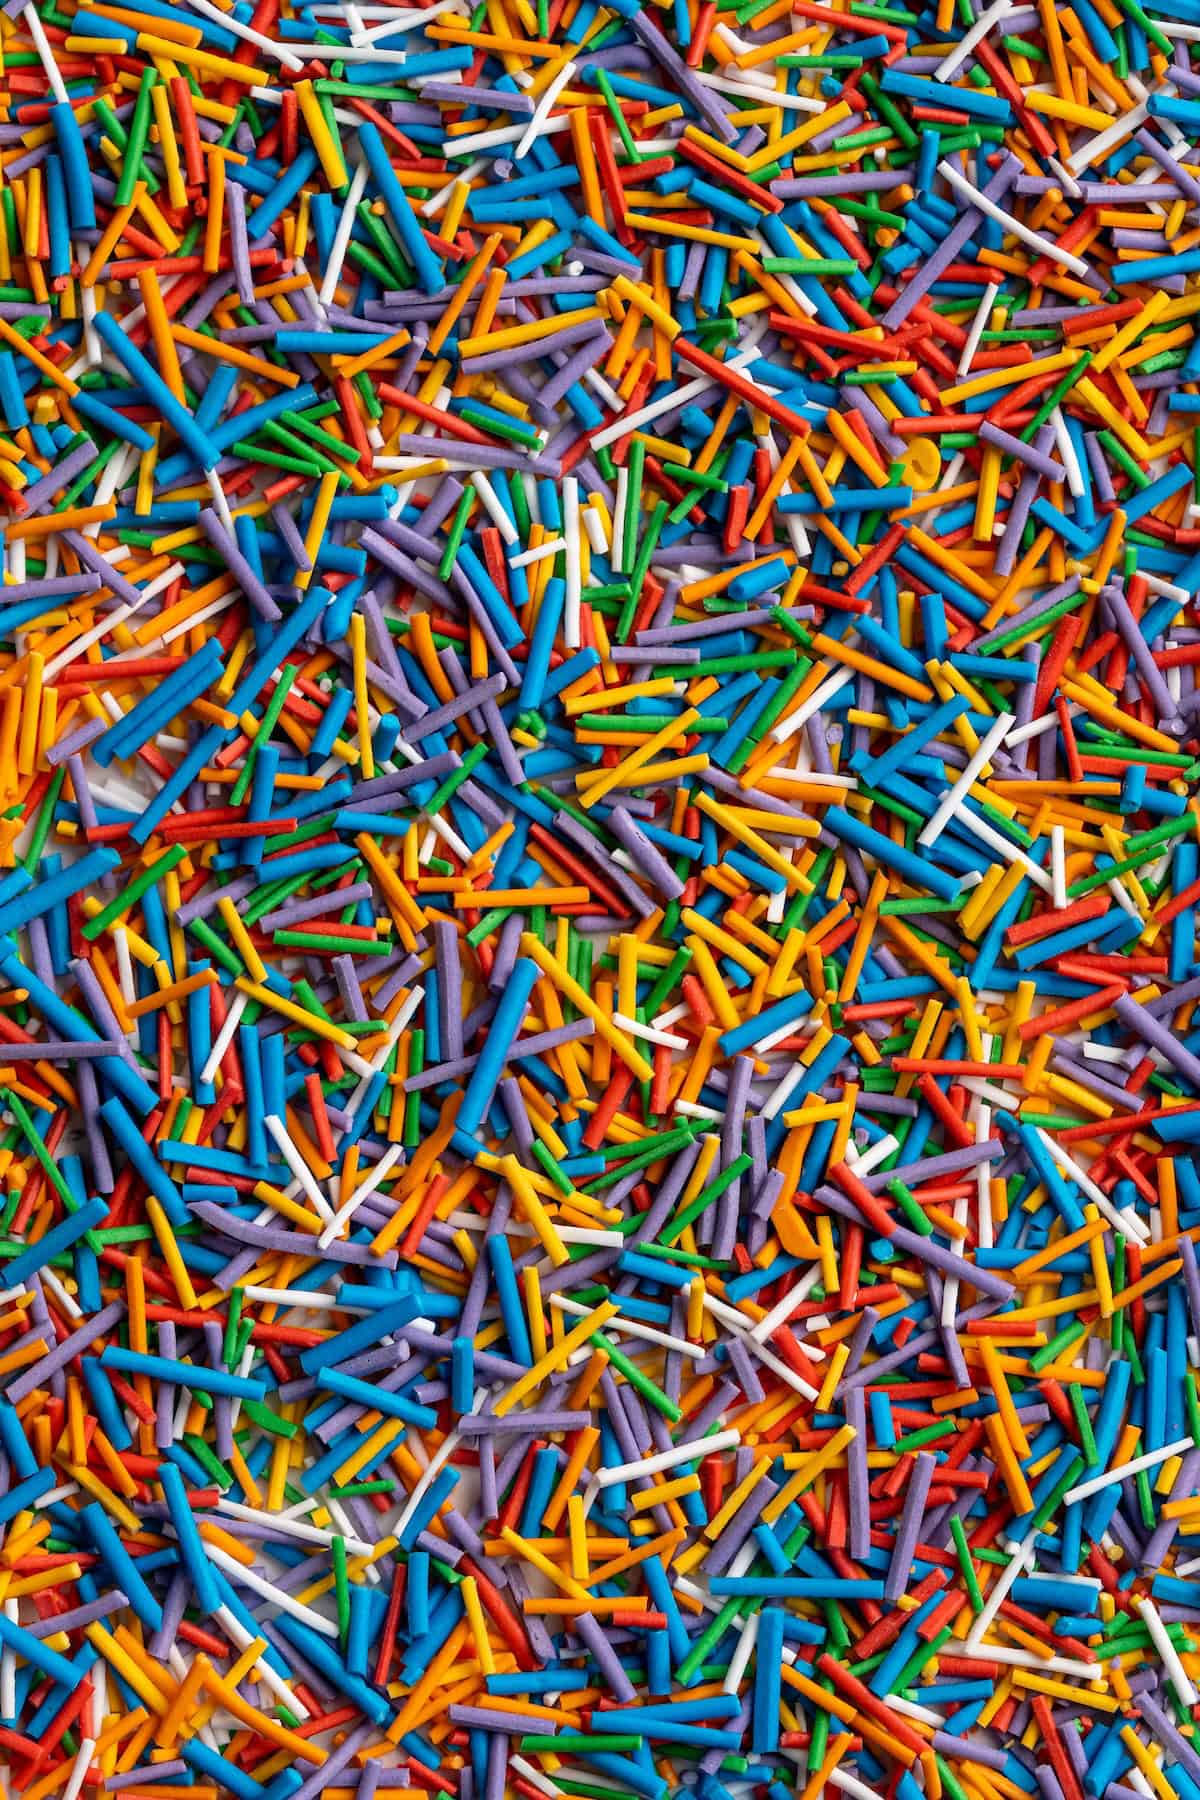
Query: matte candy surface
column 598, row 875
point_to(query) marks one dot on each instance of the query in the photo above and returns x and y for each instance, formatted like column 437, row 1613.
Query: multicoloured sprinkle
column 598, row 878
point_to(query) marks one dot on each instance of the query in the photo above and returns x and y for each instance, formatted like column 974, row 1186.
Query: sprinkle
column 598, row 880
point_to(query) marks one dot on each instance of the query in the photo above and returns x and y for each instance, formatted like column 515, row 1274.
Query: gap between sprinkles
column 598, row 900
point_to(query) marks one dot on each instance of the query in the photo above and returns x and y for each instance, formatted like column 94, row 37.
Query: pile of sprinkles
column 599, row 1068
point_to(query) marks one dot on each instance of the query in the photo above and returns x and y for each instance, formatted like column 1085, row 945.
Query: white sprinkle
column 539, row 553
column 341, row 235
column 850, row 1784
column 541, row 113
column 783, row 1309
column 536, row 1778
column 691, row 1109
column 87, row 1745
column 273, row 1296
column 296, row 1163
column 68, row 1302
column 495, row 510
column 874, row 1154
column 1058, row 865
column 1176, row 1673
column 1125, row 1221
column 443, row 1454
column 982, row 311
column 983, row 1179
column 691, row 1451
column 952, row 800
column 743, row 1650
column 1066, row 450
column 1107, row 140
column 634, row 1329
column 282, row 53
column 815, row 777
column 794, row 721
column 750, row 90
column 348, row 1208
column 618, row 519
column 1000, row 9
column 503, row 134
column 293, row 1527
column 220, row 503
column 1021, row 734
column 572, row 564
column 570, row 1234
column 1018, row 1658
column 1150, row 1460
column 437, row 203
column 64, row 1492
column 259, row 1584
column 1043, row 245
column 41, row 42
column 668, row 1039
column 1022, row 1554
column 224, row 1037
